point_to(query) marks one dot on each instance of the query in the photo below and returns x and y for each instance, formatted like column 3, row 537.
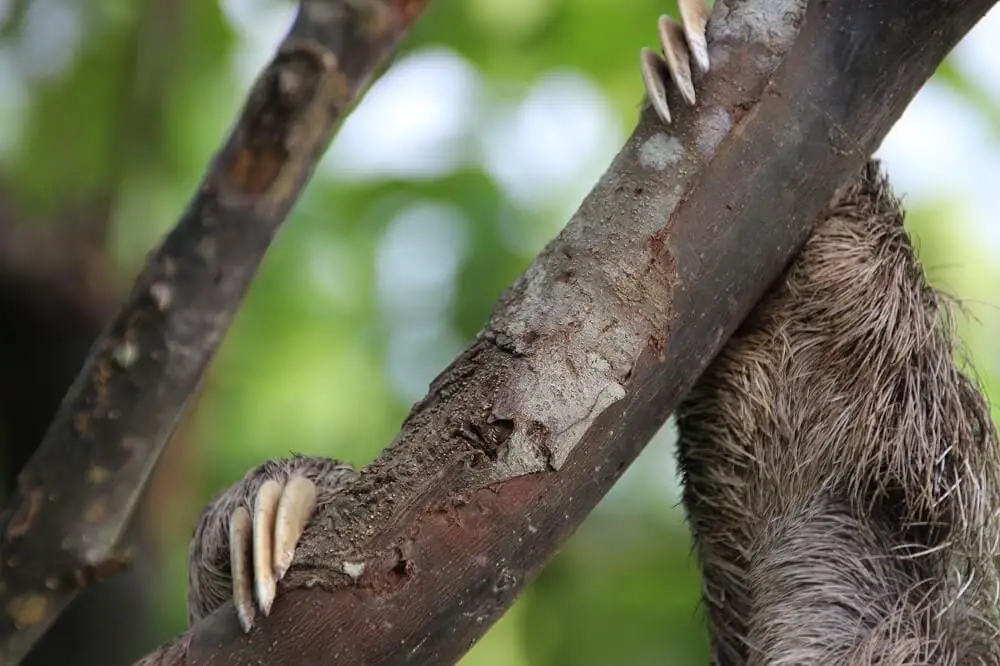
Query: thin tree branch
column 597, row 342
column 62, row 528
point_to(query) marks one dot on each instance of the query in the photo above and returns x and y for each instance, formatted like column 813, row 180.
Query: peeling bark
column 594, row 346
column 61, row 531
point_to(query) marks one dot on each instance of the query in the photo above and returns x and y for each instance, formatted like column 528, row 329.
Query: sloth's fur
column 840, row 468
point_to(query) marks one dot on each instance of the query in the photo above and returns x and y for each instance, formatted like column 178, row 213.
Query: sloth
column 839, row 467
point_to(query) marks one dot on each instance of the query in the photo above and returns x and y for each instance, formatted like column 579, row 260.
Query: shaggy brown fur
column 840, row 469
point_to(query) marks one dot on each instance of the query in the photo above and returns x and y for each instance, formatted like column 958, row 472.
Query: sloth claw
column 694, row 18
column 682, row 43
column 262, row 547
column 675, row 51
column 654, row 73
column 240, row 533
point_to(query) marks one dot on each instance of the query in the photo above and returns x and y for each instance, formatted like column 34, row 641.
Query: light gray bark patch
column 715, row 126
column 579, row 400
column 572, row 368
column 660, row 151
column 771, row 22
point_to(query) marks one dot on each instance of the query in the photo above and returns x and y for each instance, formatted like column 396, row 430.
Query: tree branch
column 594, row 346
column 76, row 495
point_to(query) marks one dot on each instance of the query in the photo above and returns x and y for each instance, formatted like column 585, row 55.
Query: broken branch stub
column 62, row 528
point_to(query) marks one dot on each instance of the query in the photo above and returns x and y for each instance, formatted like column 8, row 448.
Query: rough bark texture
column 841, row 470
column 596, row 344
column 75, row 496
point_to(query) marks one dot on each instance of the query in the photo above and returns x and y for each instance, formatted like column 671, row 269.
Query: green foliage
column 356, row 309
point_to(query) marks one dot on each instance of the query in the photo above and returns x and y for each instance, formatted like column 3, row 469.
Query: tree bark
column 74, row 499
column 594, row 346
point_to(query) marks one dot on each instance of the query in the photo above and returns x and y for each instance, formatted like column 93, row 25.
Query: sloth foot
column 262, row 546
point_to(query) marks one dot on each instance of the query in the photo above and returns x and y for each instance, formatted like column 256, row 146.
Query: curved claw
column 681, row 43
column 295, row 509
column 264, row 514
column 240, row 530
column 262, row 547
column 694, row 17
column 654, row 73
column 675, row 52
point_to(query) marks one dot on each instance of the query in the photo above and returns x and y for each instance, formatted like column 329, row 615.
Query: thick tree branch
column 594, row 346
column 75, row 496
